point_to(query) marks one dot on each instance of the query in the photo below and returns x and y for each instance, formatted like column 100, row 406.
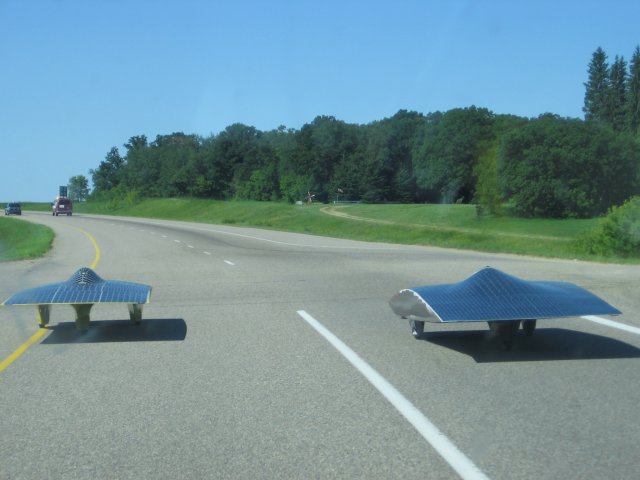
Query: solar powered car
column 82, row 290
column 503, row 301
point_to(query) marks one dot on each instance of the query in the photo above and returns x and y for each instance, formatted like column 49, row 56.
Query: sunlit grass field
column 21, row 240
column 451, row 226
column 465, row 217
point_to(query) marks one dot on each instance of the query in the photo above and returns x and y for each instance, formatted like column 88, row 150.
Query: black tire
column 505, row 331
column 528, row 326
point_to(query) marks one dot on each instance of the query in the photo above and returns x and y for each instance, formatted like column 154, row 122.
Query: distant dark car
column 62, row 206
column 13, row 208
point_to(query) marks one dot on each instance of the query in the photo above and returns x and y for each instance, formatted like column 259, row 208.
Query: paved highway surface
column 232, row 373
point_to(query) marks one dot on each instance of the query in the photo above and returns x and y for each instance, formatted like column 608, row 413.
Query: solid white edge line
column 447, row 450
column 612, row 324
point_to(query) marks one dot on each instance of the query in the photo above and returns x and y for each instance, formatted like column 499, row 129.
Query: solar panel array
column 84, row 286
column 494, row 295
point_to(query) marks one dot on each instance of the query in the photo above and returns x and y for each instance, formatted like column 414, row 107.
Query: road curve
column 226, row 378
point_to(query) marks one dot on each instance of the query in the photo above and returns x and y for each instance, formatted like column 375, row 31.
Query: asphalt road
column 227, row 378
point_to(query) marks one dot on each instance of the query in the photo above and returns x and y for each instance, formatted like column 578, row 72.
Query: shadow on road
column 150, row 330
column 545, row 344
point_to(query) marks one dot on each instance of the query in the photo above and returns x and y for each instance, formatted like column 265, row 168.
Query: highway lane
column 224, row 379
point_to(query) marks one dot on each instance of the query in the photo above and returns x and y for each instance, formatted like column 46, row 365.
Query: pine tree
column 633, row 93
column 597, row 87
column 617, row 104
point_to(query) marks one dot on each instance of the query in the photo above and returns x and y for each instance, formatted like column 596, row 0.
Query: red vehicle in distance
column 63, row 206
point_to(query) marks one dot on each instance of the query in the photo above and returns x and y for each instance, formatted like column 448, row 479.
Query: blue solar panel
column 84, row 286
column 490, row 295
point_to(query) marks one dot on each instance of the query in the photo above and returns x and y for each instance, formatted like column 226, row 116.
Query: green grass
column 465, row 217
column 37, row 206
column 20, row 240
column 451, row 226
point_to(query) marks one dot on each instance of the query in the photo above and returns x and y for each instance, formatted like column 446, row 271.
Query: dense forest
column 547, row 166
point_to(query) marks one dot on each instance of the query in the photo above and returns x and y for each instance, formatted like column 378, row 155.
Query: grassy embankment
column 23, row 240
column 452, row 226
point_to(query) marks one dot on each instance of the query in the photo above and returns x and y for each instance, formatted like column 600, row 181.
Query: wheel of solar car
column 528, row 326
column 505, row 330
column 508, row 332
column 417, row 328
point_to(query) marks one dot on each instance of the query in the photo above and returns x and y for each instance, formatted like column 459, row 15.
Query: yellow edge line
column 21, row 349
column 96, row 259
column 41, row 331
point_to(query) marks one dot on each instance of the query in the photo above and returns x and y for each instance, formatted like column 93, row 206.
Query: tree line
column 612, row 93
column 547, row 166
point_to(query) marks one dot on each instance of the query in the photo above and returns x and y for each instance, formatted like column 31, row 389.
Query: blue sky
column 79, row 76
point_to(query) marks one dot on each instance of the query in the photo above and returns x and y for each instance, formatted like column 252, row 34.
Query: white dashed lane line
column 228, row 262
column 153, row 232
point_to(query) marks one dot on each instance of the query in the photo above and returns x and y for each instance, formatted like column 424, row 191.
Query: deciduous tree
column 78, row 188
column 109, row 173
